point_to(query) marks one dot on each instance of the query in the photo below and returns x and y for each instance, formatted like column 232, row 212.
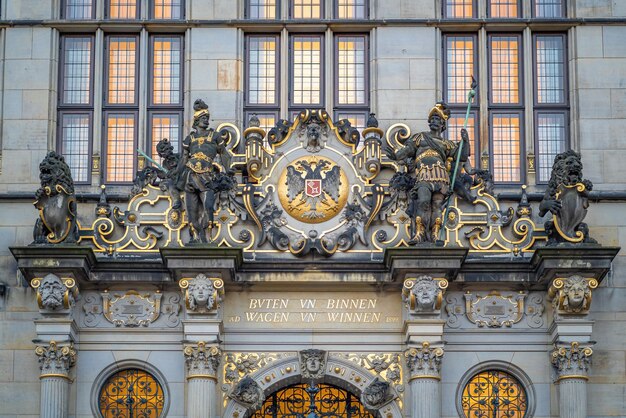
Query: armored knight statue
column 204, row 160
column 431, row 156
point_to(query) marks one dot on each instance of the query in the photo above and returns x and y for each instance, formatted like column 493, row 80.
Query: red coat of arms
column 313, row 187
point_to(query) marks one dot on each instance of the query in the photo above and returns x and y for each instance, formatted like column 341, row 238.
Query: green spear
column 159, row 166
column 470, row 96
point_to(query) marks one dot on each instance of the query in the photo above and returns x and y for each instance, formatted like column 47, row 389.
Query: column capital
column 571, row 362
column 202, row 361
column 56, row 360
column 424, row 362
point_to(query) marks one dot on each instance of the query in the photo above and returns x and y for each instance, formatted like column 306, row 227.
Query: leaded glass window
column 320, row 400
column 131, row 393
column 306, row 9
column 549, row 8
column 123, row 9
column 504, row 69
column 262, row 9
column 494, row 393
column 166, row 57
column 75, row 138
column 459, row 9
column 122, row 70
column 506, row 153
column 351, row 9
column 77, row 78
column 78, row 9
column 306, row 70
column 166, row 9
column 120, row 146
column 459, row 60
column 504, row 8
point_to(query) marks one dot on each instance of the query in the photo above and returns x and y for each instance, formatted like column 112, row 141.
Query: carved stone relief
column 571, row 361
column 130, row 309
column 495, row 310
column 55, row 294
column 202, row 361
column 424, row 361
column 424, row 295
column 572, row 295
column 377, row 394
column 248, row 392
column 313, row 363
column 55, row 360
column 202, row 294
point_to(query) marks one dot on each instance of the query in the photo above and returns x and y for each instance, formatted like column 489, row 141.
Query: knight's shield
column 313, row 188
column 573, row 210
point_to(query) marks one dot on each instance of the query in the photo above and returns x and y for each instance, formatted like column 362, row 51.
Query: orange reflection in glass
column 459, row 67
column 505, row 85
column 166, row 70
column 460, row 9
column 122, row 9
column 120, row 147
column 307, row 70
column 506, row 147
column 307, row 9
column 121, row 74
column 494, row 394
column 131, row 393
column 503, row 8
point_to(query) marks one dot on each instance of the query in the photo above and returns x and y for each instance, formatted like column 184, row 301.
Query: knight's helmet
column 199, row 109
column 441, row 109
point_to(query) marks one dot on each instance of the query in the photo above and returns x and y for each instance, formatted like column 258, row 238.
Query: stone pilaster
column 202, row 363
column 424, row 365
column 55, row 363
column 571, row 364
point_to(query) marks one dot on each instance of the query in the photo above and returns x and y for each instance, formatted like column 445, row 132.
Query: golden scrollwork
column 572, row 295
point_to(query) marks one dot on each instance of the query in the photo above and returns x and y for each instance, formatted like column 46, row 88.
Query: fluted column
column 55, row 363
column 202, row 364
column 424, row 365
column 571, row 364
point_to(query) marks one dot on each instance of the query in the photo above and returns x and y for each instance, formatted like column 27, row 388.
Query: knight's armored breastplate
column 432, row 170
column 201, row 152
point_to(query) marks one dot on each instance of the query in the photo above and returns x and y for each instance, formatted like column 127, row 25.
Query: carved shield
column 313, row 188
column 573, row 210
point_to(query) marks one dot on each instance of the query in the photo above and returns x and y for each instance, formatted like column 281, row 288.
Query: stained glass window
column 131, row 393
column 312, row 401
column 494, row 394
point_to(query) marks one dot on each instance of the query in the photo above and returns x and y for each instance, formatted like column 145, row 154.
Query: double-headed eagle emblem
column 313, row 188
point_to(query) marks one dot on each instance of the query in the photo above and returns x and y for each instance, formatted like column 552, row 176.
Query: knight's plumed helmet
column 199, row 109
column 440, row 109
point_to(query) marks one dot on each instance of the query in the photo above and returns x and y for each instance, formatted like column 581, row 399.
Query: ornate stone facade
column 202, row 294
column 313, row 363
column 572, row 295
column 55, row 294
column 424, row 295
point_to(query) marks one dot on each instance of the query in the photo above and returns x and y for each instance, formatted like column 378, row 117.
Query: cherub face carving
column 201, row 293
column 425, row 291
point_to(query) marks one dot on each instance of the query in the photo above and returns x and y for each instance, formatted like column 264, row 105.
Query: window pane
column 262, row 66
column 551, row 141
column 165, row 125
column 75, row 133
column 351, row 69
column 351, row 9
column 78, row 9
column 166, row 70
column 505, row 142
column 503, row 8
column 494, row 393
column 357, row 119
column 549, row 8
column 167, row 9
column 123, row 9
column 76, row 70
column 120, row 147
column 550, row 70
column 459, row 68
column 267, row 119
column 121, row 70
column 453, row 132
column 306, row 9
column 459, row 8
column 306, row 70
column 262, row 9
column 505, row 69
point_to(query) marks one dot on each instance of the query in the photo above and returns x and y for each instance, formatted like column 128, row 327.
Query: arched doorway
column 312, row 401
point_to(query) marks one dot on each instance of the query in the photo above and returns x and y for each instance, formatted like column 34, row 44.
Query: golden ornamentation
column 411, row 298
column 131, row 309
column 69, row 295
column 572, row 362
column 301, row 207
column 55, row 360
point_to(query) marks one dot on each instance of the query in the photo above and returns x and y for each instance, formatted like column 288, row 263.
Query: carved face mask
column 425, row 293
column 576, row 295
column 313, row 364
column 51, row 294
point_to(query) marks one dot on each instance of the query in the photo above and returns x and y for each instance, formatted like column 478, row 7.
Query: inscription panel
column 355, row 310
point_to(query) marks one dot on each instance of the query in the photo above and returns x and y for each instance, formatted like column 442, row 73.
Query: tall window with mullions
column 551, row 104
column 460, row 58
column 75, row 110
column 262, row 85
column 78, row 9
column 351, row 79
